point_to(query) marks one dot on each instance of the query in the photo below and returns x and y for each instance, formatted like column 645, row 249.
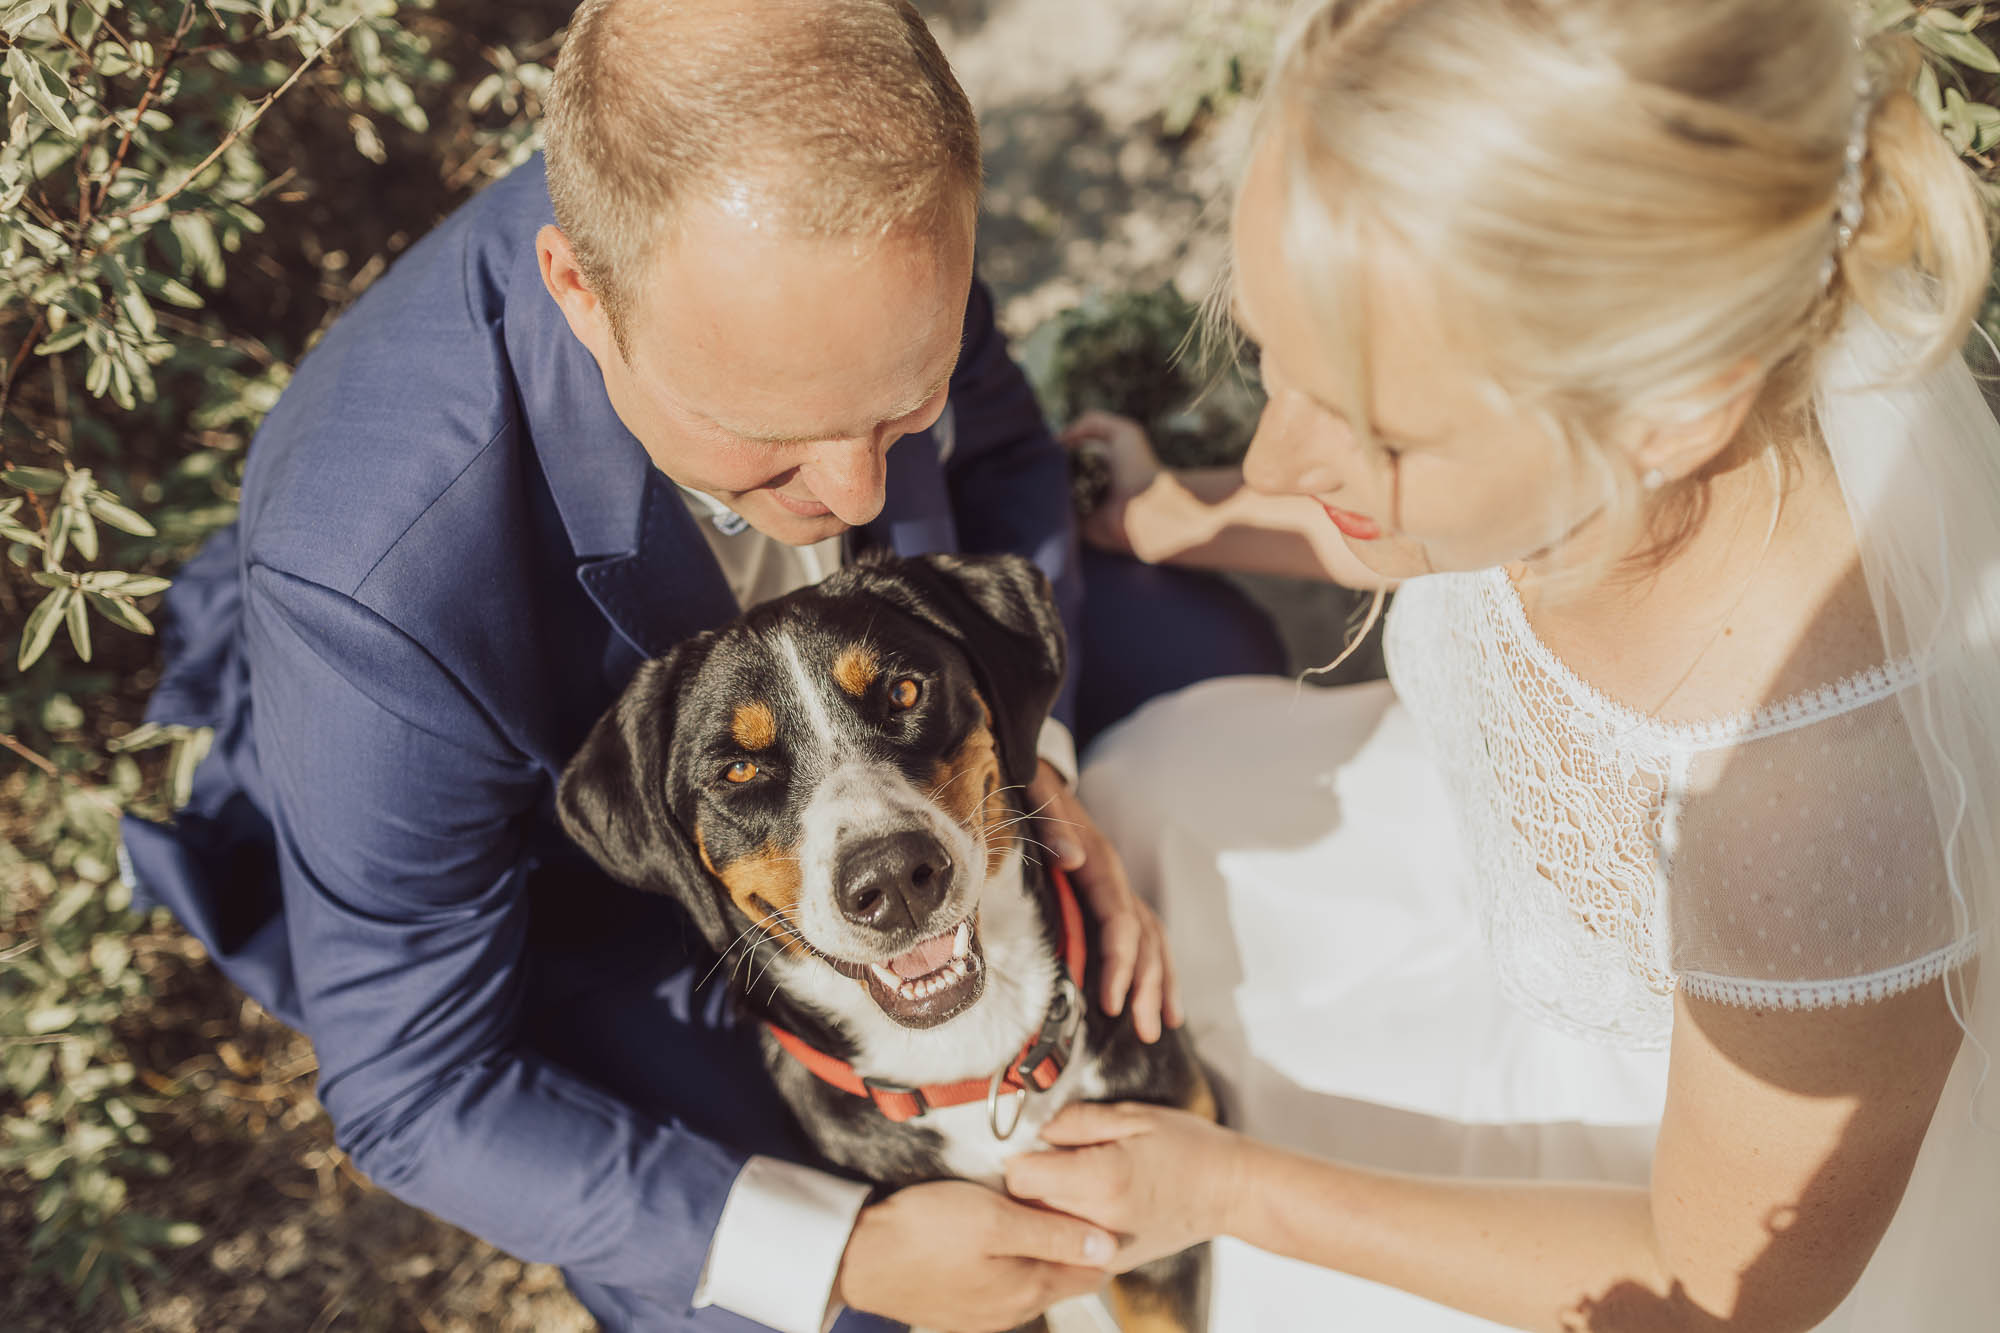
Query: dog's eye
column 905, row 693
column 739, row 772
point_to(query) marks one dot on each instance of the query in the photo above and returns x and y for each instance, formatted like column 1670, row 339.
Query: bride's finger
column 1081, row 1124
column 1097, row 426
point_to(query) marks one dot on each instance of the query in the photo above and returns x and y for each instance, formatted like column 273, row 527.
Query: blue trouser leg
column 1152, row 629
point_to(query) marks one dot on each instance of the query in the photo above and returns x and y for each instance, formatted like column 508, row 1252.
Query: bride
column 1616, row 968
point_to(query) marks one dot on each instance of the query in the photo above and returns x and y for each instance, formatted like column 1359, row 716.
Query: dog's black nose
column 892, row 882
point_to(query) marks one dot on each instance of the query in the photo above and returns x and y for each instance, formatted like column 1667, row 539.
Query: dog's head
column 832, row 775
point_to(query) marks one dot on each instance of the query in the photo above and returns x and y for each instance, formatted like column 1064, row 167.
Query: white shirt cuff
column 1056, row 745
column 780, row 1208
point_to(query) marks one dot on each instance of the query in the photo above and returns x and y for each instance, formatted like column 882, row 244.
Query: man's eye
column 905, row 693
column 739, row 772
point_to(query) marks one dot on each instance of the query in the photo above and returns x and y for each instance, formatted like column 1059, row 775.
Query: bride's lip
column 1353, row 525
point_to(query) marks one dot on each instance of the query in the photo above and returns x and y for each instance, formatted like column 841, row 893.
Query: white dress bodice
column 1785, row 856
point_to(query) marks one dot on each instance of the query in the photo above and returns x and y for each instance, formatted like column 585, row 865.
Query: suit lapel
column 668, row 588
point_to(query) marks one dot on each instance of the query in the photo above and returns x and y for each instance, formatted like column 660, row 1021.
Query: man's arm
column 396, row 811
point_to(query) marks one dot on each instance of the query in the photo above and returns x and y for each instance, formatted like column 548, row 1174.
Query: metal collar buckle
column 1056, row 1040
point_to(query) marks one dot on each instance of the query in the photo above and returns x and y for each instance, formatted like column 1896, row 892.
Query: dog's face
column 830, row 776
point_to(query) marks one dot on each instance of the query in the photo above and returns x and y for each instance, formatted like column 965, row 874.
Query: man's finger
column 1118, row 934
column 1148, row 981
column 1036, row 1233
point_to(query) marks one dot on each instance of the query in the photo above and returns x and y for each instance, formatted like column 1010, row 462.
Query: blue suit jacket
column 451, row 556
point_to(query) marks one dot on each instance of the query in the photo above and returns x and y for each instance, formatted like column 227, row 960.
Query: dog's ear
column 1002, row 612
column 613, row 794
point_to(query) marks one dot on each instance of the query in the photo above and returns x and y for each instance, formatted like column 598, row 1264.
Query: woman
column 1626, row 337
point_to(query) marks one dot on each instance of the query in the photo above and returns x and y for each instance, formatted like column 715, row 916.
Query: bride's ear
column 1683, row 442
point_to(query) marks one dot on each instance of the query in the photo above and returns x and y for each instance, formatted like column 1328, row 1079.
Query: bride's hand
column 1121, row 442
column 1162, row 1179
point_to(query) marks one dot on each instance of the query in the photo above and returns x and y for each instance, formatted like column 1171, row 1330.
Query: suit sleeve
column 396, row 807
column 1008, row 478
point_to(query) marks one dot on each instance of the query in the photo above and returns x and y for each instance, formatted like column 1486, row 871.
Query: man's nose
column 1286, row 459
column 849, row 477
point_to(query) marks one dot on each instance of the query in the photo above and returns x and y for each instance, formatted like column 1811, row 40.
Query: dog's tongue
column 925, row 959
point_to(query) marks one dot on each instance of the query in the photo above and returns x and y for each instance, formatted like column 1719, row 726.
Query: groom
column 603, row 407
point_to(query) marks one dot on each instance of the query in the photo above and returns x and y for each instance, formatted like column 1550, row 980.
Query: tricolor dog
column 833, row 787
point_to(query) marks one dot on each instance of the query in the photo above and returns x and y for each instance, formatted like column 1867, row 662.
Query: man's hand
column 1134, row 946
column 959, row 1256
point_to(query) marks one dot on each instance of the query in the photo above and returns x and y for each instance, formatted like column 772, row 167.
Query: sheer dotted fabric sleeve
column 1805, row 867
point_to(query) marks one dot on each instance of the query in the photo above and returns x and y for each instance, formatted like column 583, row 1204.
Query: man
column 591, row 415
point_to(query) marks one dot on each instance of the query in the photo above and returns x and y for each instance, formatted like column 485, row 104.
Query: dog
column 832, row 786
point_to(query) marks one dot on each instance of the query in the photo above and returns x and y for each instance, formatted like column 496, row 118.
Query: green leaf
column 179, row 293
column 119, row 517
column 138, row 585
column 1887, row 14
column 1963, row 47
column 50, row 1018
column 120, row 613
column 59, row 537
column 41, row 627
column 197, row 236
column 98, row 377
column 61, row 342
column 19, row 16
column 79, row 627
column 40, row 480
column 26, row 76
column 83, row 531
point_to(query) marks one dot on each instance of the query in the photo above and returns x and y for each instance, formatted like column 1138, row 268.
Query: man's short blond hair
column 830, row 118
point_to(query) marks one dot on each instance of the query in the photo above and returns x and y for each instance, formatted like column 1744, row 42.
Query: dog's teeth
column 962, row 941
column 885, row 976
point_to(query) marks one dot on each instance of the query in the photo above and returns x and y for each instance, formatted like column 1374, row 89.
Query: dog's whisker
column 723, row 956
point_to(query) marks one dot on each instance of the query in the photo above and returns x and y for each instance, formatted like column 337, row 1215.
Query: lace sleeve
column 1805, row 868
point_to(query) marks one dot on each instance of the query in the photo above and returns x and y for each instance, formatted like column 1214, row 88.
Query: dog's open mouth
column 926, row 985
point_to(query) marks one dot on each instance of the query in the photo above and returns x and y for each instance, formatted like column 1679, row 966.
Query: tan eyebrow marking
column 754, row 726
column 856, row 669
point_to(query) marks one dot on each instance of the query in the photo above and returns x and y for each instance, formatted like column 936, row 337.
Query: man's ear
column 582, row 308
column 613, row 794
column 1002, row 613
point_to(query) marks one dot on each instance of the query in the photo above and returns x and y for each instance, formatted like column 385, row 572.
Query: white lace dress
column 1438, row 927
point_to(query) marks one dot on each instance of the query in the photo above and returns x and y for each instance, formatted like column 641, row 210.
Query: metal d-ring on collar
column 1060, row 1030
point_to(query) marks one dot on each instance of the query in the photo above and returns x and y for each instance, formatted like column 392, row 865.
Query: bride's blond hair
column 1624, row 204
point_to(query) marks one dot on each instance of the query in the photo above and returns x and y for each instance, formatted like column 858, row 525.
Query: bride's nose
column 1290, row 456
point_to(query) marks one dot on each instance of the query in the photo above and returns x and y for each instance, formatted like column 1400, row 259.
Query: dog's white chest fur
column 973, row 1151
column 1020, row 978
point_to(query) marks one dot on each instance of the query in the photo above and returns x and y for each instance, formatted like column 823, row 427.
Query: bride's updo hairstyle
column 1624, row 206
